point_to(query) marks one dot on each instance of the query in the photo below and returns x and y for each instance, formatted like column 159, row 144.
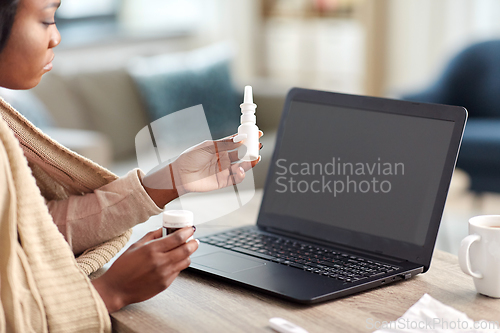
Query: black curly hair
column 8, row 9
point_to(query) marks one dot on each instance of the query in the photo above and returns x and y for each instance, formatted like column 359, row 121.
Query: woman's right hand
column 146, row 268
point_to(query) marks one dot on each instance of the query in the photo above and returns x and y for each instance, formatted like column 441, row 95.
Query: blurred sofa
column 99, row 112
column 472, row 79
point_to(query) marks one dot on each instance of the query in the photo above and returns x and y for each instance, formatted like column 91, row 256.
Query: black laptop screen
column 364, row 173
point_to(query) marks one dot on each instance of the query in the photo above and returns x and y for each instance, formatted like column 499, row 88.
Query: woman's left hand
column 208, row 166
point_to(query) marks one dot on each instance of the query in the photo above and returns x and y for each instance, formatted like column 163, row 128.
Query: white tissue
column 431, row 316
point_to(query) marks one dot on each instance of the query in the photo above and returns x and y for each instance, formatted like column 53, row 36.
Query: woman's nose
column 55, row 38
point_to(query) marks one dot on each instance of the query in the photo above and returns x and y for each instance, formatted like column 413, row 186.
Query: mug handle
column 464, row 256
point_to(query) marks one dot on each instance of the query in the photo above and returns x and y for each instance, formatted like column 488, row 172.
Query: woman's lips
column 48, row 67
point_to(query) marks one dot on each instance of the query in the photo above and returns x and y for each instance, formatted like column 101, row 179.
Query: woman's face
column 28, row 53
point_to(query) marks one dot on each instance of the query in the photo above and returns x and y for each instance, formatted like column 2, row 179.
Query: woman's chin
column 33, row 83
column 30, row 84
column 20, row 84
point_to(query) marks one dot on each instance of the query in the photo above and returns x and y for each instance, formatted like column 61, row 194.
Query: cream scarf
column 42, row 287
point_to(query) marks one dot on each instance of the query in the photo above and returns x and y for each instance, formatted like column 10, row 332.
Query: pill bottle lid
column 177, row 218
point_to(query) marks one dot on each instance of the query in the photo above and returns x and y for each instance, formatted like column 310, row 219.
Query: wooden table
column 196, row 303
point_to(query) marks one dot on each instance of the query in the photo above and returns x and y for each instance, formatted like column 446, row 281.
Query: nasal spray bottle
column 248, row 132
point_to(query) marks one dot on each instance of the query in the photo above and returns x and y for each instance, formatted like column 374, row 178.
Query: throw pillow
column 172, row 82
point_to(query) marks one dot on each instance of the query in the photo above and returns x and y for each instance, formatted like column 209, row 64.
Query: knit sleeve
column 89, row 220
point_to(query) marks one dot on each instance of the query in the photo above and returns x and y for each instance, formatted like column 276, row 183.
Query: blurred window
column 86, row 22
column 77, row 9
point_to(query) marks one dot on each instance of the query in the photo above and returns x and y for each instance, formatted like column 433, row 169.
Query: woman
column 45, row 188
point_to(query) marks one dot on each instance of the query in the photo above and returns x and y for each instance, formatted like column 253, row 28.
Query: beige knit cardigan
column 42, row 287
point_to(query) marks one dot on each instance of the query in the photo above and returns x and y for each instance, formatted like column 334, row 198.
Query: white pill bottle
column 174, row 220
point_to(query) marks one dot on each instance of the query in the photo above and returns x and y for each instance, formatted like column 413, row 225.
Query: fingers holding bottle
column 146, row 268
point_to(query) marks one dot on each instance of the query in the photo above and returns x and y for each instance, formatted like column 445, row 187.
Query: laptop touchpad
column 226, row 262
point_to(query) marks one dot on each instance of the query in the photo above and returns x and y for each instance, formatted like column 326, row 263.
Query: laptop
column 352, row 201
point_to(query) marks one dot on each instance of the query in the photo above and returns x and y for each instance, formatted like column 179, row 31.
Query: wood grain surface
column 197, row 303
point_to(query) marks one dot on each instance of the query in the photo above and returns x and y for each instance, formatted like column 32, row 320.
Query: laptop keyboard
column 311, row 258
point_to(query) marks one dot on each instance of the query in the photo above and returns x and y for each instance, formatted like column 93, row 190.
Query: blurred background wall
column 376, row 47
column 422, row 36
column 122, row 64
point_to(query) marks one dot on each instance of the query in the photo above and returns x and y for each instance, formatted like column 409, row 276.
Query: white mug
column 479, row 254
